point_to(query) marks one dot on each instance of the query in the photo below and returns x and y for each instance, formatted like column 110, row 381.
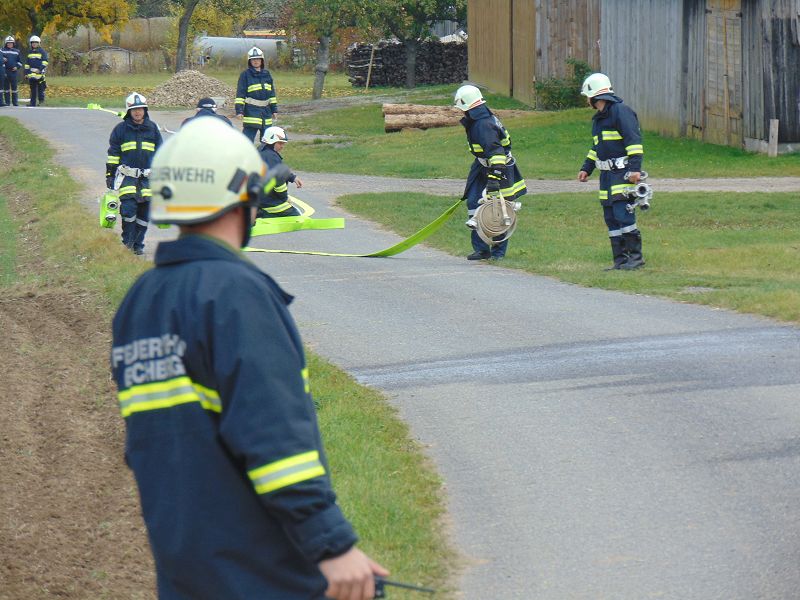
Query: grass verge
column 384, row 482
column 8, row 244
column 547, row 145
column 736, row 250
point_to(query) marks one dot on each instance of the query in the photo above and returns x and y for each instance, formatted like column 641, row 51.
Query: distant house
column 716, row 70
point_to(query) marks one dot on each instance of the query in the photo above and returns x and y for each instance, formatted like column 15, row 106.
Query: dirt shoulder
column 71, row 526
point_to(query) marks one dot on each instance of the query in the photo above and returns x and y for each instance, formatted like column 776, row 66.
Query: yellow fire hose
column 402, row 246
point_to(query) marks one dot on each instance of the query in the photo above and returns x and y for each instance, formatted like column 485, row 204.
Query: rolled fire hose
column 495, row 219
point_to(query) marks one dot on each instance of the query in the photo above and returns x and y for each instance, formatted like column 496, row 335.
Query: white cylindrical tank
column 233, row 51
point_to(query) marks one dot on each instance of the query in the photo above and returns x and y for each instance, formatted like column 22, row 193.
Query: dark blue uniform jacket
column 222, row 434
column 207, row 112
column 490, row 142
column 12, row 56
column 279, row 196
column 256, row 86
column 36, row 59
column 615, row 134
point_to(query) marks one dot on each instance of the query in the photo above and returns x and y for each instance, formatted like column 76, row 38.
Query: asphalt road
column 594, row 444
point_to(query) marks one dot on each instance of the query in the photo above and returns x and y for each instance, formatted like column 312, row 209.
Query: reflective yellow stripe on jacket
column 286, row 472
column 167, row 394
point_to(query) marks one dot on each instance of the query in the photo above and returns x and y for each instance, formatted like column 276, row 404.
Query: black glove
column 110, row 183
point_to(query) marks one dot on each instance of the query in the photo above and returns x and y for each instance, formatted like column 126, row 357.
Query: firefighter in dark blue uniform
column 206, row 107
column 222, row 435
column 276, row 203
column 2, row 77
column 13, row 65
column 494, row 168
column 130, row 152
column 255, row 102
column 617, row 150
column 35, row 69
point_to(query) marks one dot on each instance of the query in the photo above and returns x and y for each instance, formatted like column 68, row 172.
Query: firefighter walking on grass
column 130, row 152
column 617, row 152
column 494, row 169
column 255, row 101
column 35, row 68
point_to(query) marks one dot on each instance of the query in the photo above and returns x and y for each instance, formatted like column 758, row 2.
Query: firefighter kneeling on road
column 130, row 152
column 494, row 169
column 617, row 150
column 276, row 203
column 222, row 435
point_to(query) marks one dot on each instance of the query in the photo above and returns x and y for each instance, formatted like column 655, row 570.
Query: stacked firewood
column 437, row 62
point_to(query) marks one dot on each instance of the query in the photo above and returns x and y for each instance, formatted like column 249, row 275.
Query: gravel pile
column 185, row 88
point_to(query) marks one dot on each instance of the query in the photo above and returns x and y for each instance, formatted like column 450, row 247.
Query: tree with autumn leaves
column 35, row 17
column 408, row 20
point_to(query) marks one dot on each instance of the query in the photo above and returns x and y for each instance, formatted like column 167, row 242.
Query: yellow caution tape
column 407, row 243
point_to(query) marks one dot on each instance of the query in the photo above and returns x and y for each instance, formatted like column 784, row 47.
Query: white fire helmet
column 8, row 39
column 254, row 52
column 135, row 100
column 468, row 96
column 35, row 38
column 595, row 85
column 202, row 172
column 274, row 134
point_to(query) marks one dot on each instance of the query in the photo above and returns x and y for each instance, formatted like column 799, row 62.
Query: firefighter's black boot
column 618, row 252
column 633, row 246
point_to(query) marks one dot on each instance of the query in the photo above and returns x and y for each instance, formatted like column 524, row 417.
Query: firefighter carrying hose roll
column 494, row 169
column 617, row 152
column 131, row 148
column 255, row 102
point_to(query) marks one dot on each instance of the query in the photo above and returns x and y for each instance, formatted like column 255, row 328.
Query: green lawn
column 385, row 484
column 291, row 85
column 547, row 145
column 738, row 251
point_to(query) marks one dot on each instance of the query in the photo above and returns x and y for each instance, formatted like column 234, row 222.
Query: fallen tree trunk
column 397, row 117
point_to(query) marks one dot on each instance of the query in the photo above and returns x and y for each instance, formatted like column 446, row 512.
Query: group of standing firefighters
column 134, row 141
column 34, row 69
column 212, row 378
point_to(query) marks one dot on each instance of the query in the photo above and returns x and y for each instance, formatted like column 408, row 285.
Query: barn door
column 723, row 86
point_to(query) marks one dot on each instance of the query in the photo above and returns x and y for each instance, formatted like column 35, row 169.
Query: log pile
column 397, row 117
column 437, row 63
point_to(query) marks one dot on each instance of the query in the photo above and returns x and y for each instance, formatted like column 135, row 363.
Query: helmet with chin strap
column 596, row 84
column 35, row 38
column 273, row 135
column 468, row 96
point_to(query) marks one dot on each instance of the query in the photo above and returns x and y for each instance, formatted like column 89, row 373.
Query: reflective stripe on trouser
column 134, row 210
column 10, row 88
column 36, row 95
column 618, row 219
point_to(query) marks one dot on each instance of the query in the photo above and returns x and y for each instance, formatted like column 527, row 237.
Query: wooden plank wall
column 694, row 60
column 642, row 52
column 780, row 31
column 566, row 29
column 523, row 50
column 489, row 44
column 754, row 125
column 724, row 81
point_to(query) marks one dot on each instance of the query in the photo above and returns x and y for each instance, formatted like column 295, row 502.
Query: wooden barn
column 718, row 70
